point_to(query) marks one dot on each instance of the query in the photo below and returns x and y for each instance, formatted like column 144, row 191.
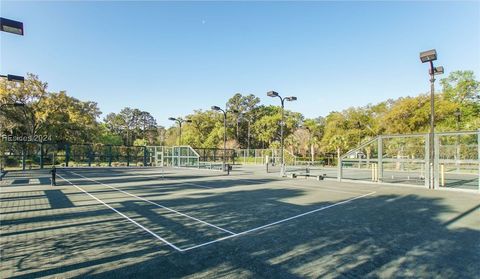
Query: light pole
column 215, row 108
column 428, row 57
column 274, row 94
column 180, row 121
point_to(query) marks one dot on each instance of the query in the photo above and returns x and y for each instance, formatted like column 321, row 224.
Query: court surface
column 171, row 223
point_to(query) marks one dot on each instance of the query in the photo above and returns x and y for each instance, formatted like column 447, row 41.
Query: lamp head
column 173, row 119
column 11, row 26
column 216, row 108
column 15, row 78
column 437, row 70
column 272, row 94
column 428, row 56
column 291, row 98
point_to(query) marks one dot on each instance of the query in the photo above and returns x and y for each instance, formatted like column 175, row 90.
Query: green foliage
column 54, row 114
column 140, row 142
column 107, row 137
column 67, row 119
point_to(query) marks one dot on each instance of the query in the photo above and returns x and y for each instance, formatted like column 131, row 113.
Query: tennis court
column 177, row 222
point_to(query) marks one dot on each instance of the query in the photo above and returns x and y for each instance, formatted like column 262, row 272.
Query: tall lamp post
column 216, row 108
column 180, row 121
column 274, row 94
column 428, row 57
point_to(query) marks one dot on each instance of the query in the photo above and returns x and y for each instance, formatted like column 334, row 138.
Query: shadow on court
column 387, row 235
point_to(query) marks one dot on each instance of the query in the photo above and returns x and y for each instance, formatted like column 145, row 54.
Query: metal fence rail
column 262, row 156
column 176, row 156
column 404, row 159
column 39, row 155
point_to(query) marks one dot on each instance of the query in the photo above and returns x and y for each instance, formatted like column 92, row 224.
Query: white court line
column 194, row 184
column 154, row 177
column 277, row 222
column 157, row 204
column 124, row 216
column 302, row 186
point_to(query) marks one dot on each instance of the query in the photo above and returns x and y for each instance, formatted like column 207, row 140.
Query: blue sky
column 171, row 58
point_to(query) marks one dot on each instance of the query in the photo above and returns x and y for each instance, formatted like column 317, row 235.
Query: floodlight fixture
column 11, row 26
column 437, row 70
column 13, row 78
column 428, row 56
column 291, row 98
column 272, row 94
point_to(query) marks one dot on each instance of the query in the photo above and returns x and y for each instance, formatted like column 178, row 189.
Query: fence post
column 436, row 161
column 23, row 157
column 109, row 155
column 478, row 158
column 41, row 155
column 380, row 159
column 144, row 156
column 427, row 162
column 90, row 153
column 339, row 168
column 67, row 154
column 128, row 156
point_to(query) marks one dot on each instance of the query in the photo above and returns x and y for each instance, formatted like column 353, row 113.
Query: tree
column 242, row 107
column 60, row 117
column 132, row 124
column 339, row 143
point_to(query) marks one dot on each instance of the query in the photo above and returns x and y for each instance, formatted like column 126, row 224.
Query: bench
column 307, row 175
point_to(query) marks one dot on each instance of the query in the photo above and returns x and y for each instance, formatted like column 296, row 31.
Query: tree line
column 249, row 123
